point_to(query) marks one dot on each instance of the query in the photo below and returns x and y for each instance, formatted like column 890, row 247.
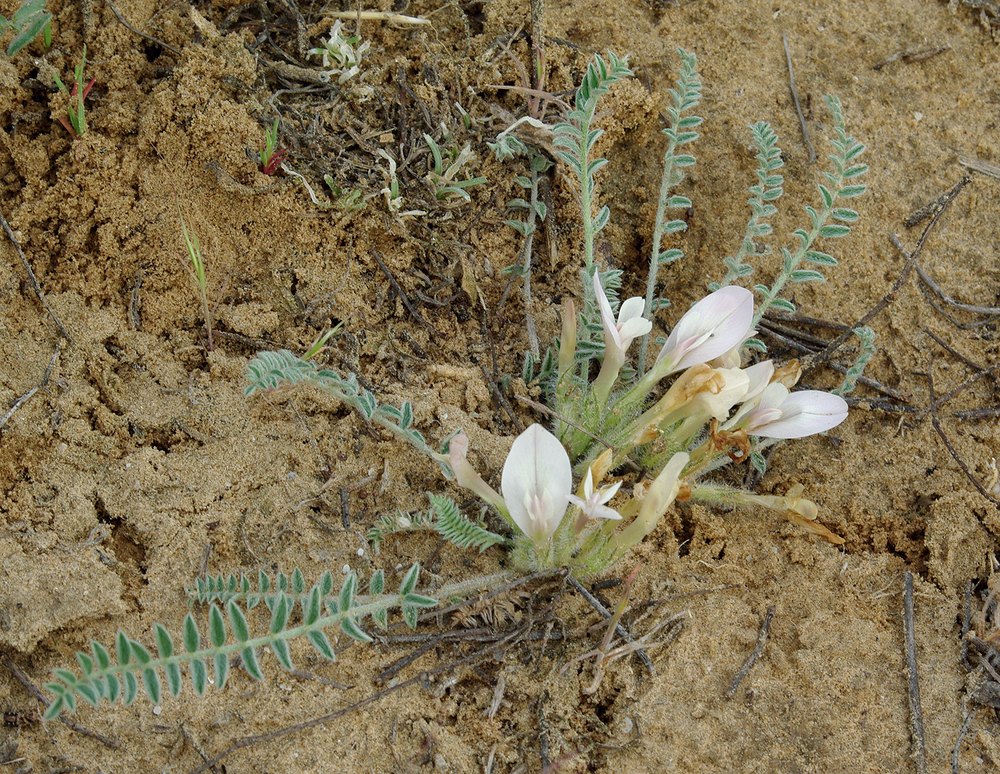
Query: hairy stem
column 654, row 258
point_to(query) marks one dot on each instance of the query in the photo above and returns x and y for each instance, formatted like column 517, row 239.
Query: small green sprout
column 200, row 277
column 77, row 110
column 29, row 21
column 393, row 196
column 341, row 55
column 271, row 156
column 442, row 180
column 320, row 343
column 349, row 199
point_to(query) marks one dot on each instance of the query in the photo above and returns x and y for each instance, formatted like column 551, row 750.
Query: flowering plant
column 695, row 408
column 712, row 414
column 627, row 441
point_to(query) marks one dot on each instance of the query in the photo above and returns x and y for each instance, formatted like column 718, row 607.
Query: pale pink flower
column 783, row 414
column 709, row 329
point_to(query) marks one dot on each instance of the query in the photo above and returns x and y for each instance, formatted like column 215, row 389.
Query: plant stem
column 654, row 258
column 529, row 320
column 586, row 197
column 794, row 259
column 357, row 612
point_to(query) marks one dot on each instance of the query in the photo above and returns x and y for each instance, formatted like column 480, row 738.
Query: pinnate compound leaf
column 376, row 584
column 192, row 640
column 282, row 653
column 834, row 231
column 199, row 676
column 172, row 672
column 345, row 600
column 298, row 581
column 820, row 258
column 279, row 613
column 101, row 655
column 419, row 600
column 89, row 694
column 151, row 682
column 86, row 663
column 131, row 689
column 164, row 644
column 312, row 607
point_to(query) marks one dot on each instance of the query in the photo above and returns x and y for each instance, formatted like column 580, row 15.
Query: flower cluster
column 713, row 412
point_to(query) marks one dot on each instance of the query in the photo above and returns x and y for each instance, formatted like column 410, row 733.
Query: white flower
column 618, row 335
column 709, row 329
column 719, row 402
column 593, row 502
column 784, row 414
column 654, row 503
column 537, row 481
column 630, row 325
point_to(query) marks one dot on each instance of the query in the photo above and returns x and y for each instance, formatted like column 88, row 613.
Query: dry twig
column 975, row 309
column 758, row 649
column 980, row 166
column 913, row 682
column 143, row 35
column 620, row 630
column 41, row 385
column 795, row 100
column 956, row 752
column 813, row 361
column 909, row 57
column 399, row 291
column 936, row 423
column 493, row 651
column 32, row 278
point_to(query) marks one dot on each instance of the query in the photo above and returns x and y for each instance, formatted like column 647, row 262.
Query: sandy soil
column 140, row 464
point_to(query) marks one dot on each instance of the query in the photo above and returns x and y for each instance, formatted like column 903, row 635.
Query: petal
column 759, row 375
column 604, row 512
column 588, row 484
column 633, row 329
column 718, row 404
column 631, row 309
column 731, row 359
column 773, row 396
column 466, row 475
column 805, row 413
column 537, row 470
column 658, row 497
column 710, row 328
column 608, row 493
column 607, row 316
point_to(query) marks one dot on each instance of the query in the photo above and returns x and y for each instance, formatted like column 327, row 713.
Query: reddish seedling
column 75, row 121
